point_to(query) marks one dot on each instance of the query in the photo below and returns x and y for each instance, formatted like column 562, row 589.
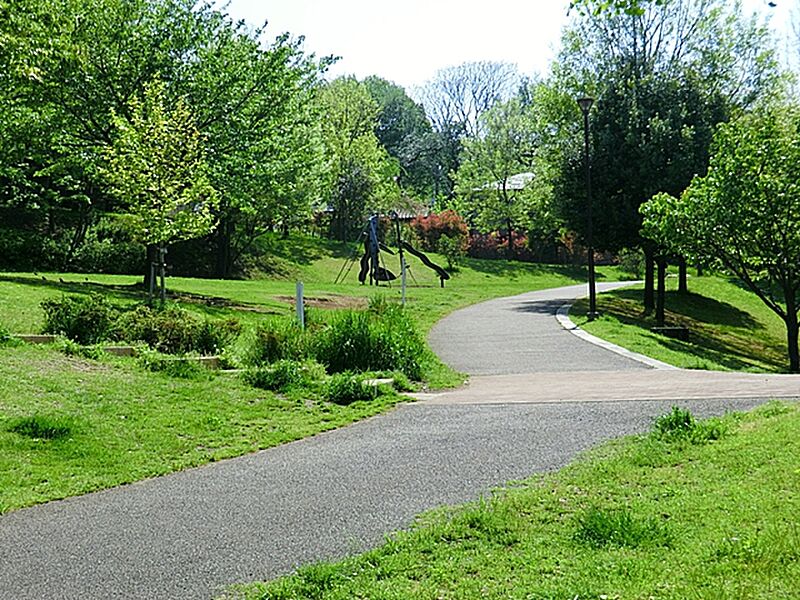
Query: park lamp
column 586, row 104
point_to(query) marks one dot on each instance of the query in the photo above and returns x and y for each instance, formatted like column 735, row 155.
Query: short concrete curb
column 563, row 318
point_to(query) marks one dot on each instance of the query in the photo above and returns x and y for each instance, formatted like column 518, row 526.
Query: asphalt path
column 519, row 334
column 191, row 534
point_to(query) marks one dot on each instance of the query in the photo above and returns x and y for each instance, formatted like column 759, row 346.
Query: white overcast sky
column 408, row 41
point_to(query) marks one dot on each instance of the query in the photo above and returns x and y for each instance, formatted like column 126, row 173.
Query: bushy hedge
column 381, row 339
column 172, row 330
column 82, row 319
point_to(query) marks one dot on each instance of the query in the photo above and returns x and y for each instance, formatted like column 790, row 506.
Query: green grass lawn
column 122, row 423
column 730, row 328
column 648, row 517
column 117, row 423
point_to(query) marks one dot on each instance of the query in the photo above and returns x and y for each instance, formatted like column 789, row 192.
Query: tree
column 454, row 101
column 404, row 130
column 492, row 182
column 745, row 213
column 157, row 168
column 663, row 78
column 360, row 170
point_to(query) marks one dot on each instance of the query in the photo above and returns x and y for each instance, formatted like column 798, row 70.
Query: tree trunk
column 510, row 240
column 152, row 258
column 662, row 291
column 224, row 266
column 683, row 284
column 649, row 280
column 791, row 332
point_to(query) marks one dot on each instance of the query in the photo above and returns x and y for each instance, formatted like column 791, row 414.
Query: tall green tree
column 745, row 212
column 663, row 78
column 157, row 168
column 361, row 172
column 404, row 130
column 494, row 183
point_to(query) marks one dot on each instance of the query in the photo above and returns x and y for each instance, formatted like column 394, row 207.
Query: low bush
column 680, row 425
column 432, row 228
column 276, row 339
column 347, row 387
column 285, row 374
column 5, row 335
column 82, row 319
column 42, row 427
column 383, row 338
column 172, row 330
column 71, row 348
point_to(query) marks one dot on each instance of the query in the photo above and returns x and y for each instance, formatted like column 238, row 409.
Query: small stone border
column 210, row 362
column 562, row 316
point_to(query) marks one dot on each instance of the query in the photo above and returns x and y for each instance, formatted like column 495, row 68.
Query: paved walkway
column 190, row 534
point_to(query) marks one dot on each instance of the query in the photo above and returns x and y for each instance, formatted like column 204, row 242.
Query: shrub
column 347, row 387
column 448, row 223
column 110, row 247
column 366, row 341
column 5, row 335
column 631, row 262
column 453, row 249
column 172, row 330
column 275, row 339
column 83, row 319
column 71, row 348
column 285, row 374
column 42, row 427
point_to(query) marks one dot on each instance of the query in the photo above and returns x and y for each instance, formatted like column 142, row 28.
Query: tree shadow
column 304, row 251
column 134, row 291
column 698, row 308
column 511, row 268
column 540, row 307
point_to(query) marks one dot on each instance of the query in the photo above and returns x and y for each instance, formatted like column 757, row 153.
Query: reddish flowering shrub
column 447, row 223
column 494, row 245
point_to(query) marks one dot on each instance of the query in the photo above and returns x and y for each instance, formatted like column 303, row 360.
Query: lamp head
column 585, row 103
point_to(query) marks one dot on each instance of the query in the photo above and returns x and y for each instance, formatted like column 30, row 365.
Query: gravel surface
column 520, row 334
column 190, row 534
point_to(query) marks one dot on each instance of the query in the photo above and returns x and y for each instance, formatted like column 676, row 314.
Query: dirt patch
column 329, row 302
column 218, row 302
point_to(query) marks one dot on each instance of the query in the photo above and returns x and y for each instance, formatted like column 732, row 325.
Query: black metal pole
column 589, row 241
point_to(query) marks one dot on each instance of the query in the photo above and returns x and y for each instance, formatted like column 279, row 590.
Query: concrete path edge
column 562, row 316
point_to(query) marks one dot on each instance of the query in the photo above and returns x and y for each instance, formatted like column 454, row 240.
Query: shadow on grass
column 719, row 332
column 506, row 268
column 698, row 308
column 133, row 291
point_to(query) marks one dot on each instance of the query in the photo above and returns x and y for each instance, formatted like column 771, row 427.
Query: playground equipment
column 371, row 262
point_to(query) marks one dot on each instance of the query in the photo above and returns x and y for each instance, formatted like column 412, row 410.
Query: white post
column 298, row 304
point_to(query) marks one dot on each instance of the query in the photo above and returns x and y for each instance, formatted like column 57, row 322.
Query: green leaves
column 157, row 167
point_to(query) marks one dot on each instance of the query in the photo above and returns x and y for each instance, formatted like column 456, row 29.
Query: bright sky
column 408, row 41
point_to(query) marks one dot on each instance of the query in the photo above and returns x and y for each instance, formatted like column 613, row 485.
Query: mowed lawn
column 117, row 422
column 710, row 512
column 730, row 329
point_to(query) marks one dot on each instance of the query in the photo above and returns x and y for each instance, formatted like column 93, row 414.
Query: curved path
column 190, row 534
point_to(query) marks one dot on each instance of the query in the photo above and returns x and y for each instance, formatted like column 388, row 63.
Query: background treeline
column 282, row 148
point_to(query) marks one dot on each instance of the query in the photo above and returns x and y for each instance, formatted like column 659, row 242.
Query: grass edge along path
column 70, row 426
column 695, row 510
column 730, row 329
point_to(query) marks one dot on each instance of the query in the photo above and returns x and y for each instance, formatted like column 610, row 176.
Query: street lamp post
column 586, row 105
